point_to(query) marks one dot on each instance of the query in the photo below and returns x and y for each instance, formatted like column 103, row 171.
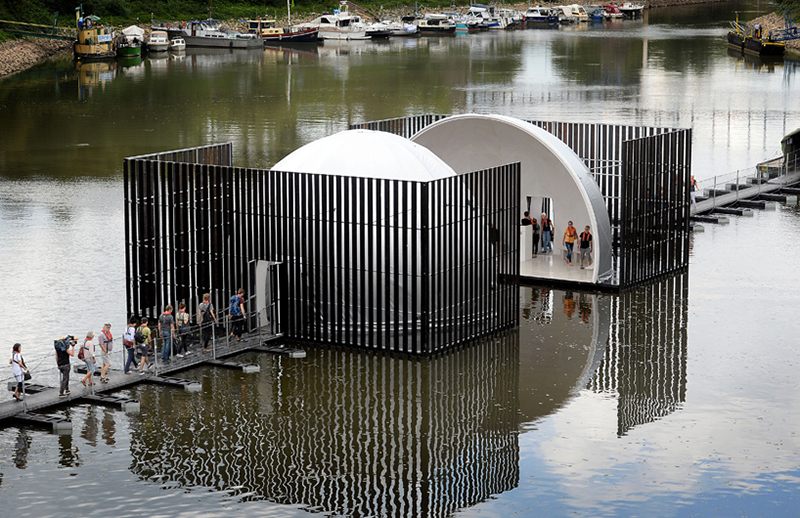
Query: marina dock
column 40, row 398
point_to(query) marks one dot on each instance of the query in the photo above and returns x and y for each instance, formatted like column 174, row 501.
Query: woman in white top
column 18, row 368
column 88, row 357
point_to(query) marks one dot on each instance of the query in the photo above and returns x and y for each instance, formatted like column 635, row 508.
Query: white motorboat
column 631, row 10
column 177, row 44
column 437, row 24
column 339, row 25
column 394, row 28
column 158, row 42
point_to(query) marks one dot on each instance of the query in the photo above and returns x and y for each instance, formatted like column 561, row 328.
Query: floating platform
column 282, row 351
column 53, row 422
column 716, row 220
column 247, row 368
column 187, row 385
column 733, row 211
column 30, row 388
column 123, row 403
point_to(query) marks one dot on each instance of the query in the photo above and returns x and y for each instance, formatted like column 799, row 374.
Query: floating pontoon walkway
column 41, row 398
column 764, row 186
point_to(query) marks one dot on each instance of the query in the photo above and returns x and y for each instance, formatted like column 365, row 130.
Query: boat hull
column 436, row 31
column 735, row 40
column 330, row 33
column 129, row 52
column 213, row 43
column 304, row 36
column 93, row 52
column 760, row 47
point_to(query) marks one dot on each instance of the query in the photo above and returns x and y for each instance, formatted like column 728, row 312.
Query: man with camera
column 65, row 347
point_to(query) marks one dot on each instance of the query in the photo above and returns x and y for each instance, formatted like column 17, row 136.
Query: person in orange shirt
column 570, row 235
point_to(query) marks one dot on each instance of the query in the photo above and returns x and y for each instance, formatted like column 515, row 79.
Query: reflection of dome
column 365, row 153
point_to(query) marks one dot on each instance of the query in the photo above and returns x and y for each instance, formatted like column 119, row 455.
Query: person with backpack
column 143, row 340
column 65, row 347
column 166, row 328
column 205, row 314
column 129, row 342
column 236, row 314
column 86, row 354
column 586, row 247
column 184, row 331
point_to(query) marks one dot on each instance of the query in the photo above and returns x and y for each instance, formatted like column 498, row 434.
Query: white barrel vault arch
column 549, row 169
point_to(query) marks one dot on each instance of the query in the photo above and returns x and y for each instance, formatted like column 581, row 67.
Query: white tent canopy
column 134, row 32
column 367, row 154
column 550, row 169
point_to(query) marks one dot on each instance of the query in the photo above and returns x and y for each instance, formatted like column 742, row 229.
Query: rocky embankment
column 774, row 22
column 17, row 55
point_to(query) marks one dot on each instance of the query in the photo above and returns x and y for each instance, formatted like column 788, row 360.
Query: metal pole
column 715, row 191
column 737, row 186
column 155, row 355
column 24, row 397
column 213, row 343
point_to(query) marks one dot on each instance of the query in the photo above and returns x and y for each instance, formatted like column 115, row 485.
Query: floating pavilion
column 404, row 235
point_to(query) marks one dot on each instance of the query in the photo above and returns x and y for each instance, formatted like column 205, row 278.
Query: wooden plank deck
column 48, row 399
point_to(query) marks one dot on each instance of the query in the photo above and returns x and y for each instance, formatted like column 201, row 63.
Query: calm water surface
column 677, row 399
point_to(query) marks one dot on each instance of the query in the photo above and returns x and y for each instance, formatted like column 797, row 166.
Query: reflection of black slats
column 645, row 363
column 374, row 435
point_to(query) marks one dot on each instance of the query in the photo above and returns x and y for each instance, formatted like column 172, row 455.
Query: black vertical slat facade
column 625, row 161
column 381, row 264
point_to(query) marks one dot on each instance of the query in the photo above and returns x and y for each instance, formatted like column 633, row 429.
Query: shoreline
column 23, row 53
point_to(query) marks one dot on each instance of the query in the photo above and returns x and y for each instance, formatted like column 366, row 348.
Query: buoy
column 168, row 26
column 184, row 25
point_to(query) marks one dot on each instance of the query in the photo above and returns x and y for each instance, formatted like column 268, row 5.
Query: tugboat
column 94, row 42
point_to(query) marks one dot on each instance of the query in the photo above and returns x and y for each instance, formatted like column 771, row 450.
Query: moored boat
column 338, row 25
column 437, row 24
column 208, row 33
column 630, row 10
column 754, row 41
column 158, row 42
column 612, row 12
column 271, row 34
column 177, row 45
column 540, row 16
column 129, row 43
column 93, row 41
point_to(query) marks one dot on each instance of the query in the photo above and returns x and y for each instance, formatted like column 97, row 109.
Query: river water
column 676, row 399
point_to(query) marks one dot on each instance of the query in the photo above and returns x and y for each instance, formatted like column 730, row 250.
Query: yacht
column 339, row 25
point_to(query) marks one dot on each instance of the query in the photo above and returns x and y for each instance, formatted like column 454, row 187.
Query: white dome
column 368, row 154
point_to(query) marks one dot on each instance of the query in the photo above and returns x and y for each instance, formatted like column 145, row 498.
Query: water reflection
column 21, row 449
column 645, row 363
column 756, row 63
column 94, row 74
column 67, row 452
column 347, row 432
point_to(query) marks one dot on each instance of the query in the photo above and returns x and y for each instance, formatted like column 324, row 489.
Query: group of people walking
column 173, row 329
column 545, row 231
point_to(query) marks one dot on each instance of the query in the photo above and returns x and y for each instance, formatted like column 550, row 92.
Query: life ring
column 185, row 25
column 168, row 26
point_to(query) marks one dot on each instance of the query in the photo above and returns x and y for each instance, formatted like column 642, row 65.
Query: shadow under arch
column 549, row 169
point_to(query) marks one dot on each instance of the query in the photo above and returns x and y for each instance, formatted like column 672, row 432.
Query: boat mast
column 289, row 11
